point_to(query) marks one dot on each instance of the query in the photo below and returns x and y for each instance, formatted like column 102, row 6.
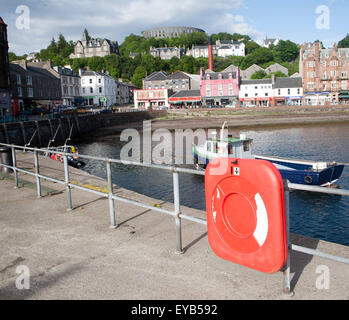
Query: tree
column 344, row 43
column 259, row 56
column 260, row 74
column 138, row 76
column 251, row 46
column 286, row 51
column 96, row 63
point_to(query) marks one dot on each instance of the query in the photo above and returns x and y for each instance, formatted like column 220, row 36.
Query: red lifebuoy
column 246, row 213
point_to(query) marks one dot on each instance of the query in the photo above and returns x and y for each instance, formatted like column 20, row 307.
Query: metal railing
column 176, row 212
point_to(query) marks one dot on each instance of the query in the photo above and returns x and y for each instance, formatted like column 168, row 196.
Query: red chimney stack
column 210, row 54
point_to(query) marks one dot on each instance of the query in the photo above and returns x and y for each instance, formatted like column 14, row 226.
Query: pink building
column 220, row 88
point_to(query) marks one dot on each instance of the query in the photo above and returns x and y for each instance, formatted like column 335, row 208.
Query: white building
column 271, row 92
column 288, row 91
column 268, row 41
column 97, row 89
column 230, row 48
column 257, row 93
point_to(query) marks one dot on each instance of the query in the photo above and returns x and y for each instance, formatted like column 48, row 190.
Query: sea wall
column 20, row 133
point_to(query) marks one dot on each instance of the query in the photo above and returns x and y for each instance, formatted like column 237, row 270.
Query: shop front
column 280, row 101
column 256, row 102
column 294, row 101
column 317, row 98
column 185, row 102
column 343, row 97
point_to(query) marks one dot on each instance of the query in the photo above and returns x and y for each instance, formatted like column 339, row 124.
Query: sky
column 33, row 23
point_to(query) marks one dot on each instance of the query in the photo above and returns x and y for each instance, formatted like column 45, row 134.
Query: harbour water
column 320, row 216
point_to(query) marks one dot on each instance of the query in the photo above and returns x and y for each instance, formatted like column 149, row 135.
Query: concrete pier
column 75, row 255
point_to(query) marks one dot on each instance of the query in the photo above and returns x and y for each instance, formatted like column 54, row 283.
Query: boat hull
column 298, row 174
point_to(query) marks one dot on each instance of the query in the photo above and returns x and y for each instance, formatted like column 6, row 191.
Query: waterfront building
column 325, row 74
column 5, row 109
column 168, row 32
column 219, row 88
column 33, row 86
column 91, row 47
column 151, row 98
column 97, row 89
column 288, row 91
column 271, row 92
column 258, row 93
column 124, row 92
column 177, row 81
column 167, row 53
column 69, row 79
column 187, row 99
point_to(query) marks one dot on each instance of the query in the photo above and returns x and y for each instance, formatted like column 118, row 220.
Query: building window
column 324, row 75
column 310, row 85
column 298, row 91
column 266, row 94
column 19, row 91
column 30, row 92
column 90, row 80
column 100, row 89
column 311, row 74
column 289, row 91
column 83, row 90
column 324, row 63
column 324, row 86
column 19, row 80
column 246, row 95
column 310, row 64
column 344, row 74
column 91, row 90
column 99, row 80
column 344, row 85
column 334, row 85
column 334, row 63
column 279, row 92
column 333, row 73
column 29, row 80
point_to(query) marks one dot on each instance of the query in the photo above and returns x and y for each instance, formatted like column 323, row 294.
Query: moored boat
column 307, row 172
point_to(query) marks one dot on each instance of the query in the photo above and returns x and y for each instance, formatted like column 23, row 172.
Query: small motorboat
column 318, row 173
column 72, row 160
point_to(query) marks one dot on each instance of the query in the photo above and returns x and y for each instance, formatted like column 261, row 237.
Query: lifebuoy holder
column 246, row 213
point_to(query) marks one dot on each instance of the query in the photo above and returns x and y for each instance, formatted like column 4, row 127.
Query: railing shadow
column 300, row 260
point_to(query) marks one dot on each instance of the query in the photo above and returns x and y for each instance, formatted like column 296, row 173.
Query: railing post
column 113, row 224
column 14, row 164
column 37, row 172
column 177, row 211
column 67, row 181
column 287, row 292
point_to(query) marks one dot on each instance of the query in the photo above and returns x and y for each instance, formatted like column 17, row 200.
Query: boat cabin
column 231, row 147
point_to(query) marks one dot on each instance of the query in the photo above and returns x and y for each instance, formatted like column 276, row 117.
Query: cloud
column 115, row 19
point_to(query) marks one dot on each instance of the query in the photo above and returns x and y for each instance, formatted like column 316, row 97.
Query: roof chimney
column 210, row 54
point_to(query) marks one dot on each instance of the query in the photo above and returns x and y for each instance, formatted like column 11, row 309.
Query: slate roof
column 288, row 83
column 156, row 76
column 186, row 93
column 214, row 75
column 178, row 75
column 257, row 81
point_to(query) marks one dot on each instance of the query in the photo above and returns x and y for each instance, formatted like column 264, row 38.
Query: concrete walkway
column 75, row 255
